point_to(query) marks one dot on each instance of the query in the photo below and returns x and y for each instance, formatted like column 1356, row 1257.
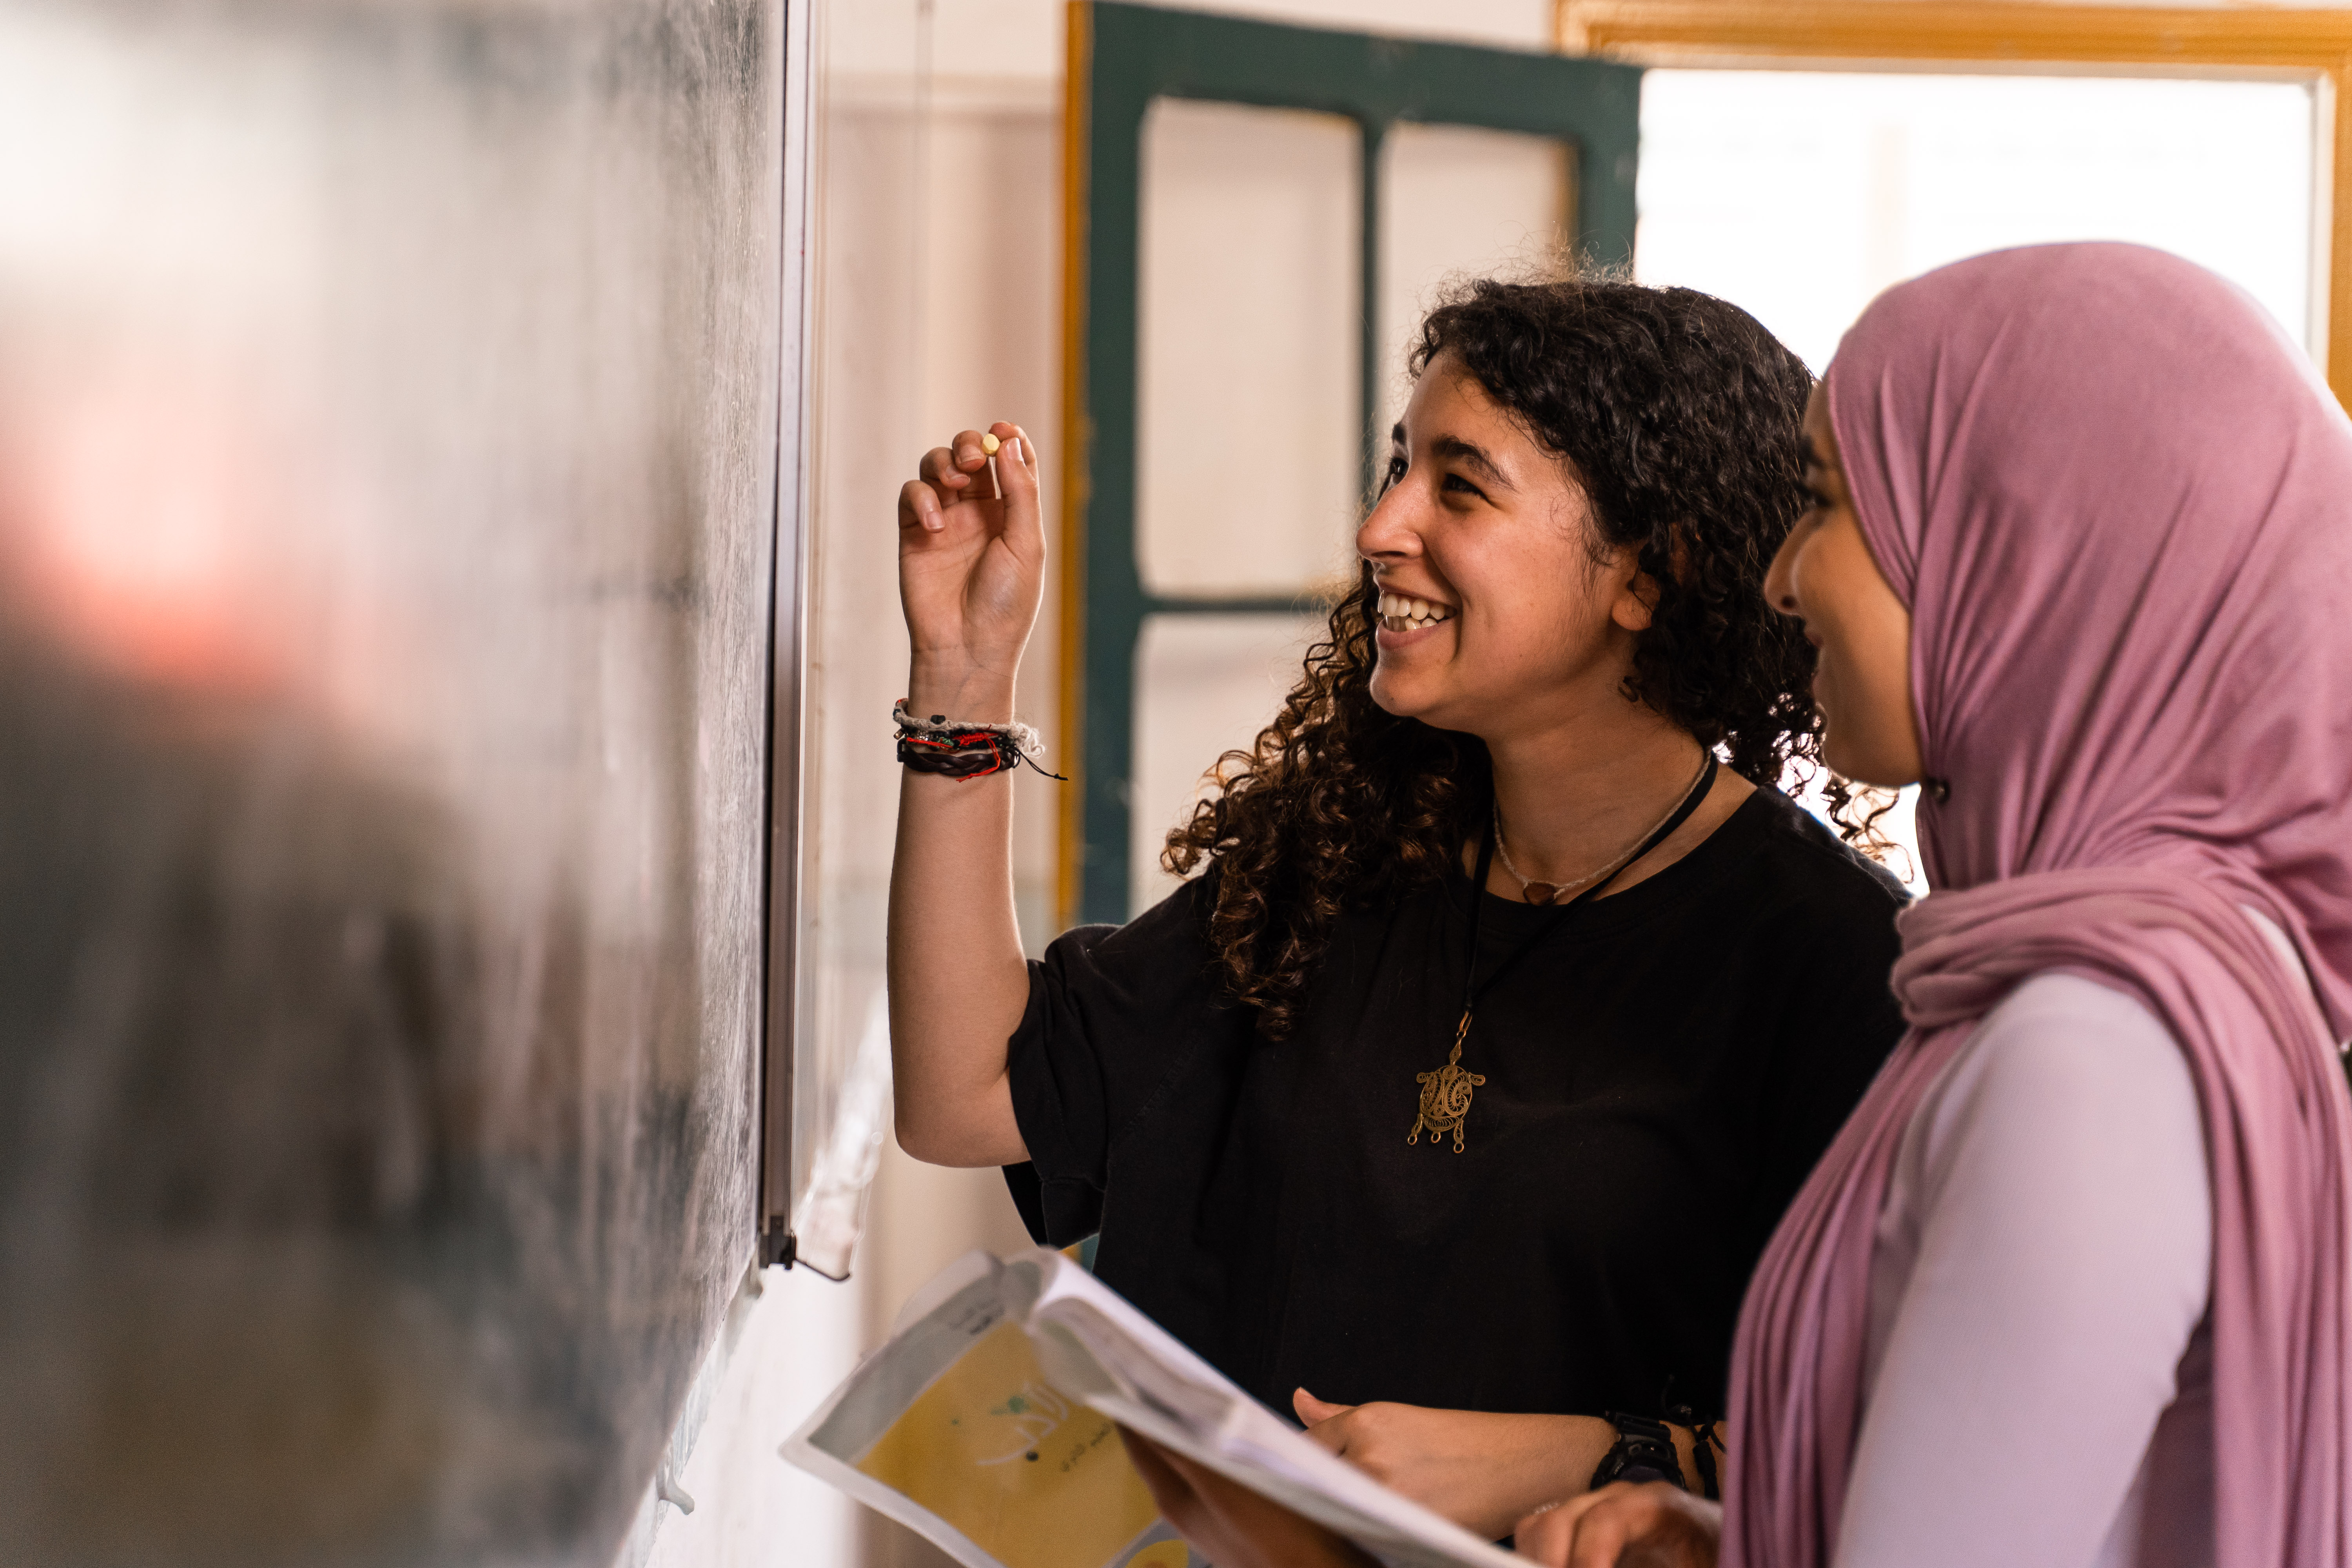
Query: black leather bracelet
column 1704, row 1440
column 1710, row 1484
column 1645, row 1451
column 961, row 757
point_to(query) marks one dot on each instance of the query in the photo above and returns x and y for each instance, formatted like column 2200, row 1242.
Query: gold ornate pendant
column 1445, row 1095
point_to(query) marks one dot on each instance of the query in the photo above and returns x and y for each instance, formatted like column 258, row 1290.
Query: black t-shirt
column 1661, row 1070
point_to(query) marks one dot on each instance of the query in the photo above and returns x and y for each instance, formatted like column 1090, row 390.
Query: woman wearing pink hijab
column 2071, row 1285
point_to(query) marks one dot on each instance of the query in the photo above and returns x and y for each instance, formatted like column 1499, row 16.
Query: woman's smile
column 1408, row 620
column 1410, row 613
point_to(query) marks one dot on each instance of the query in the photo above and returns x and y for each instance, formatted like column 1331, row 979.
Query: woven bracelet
column 964, row 751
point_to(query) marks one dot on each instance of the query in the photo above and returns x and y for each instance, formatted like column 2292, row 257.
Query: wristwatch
column 1645, row 1451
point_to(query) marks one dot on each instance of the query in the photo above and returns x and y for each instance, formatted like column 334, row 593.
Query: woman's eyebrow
column 1472, row 456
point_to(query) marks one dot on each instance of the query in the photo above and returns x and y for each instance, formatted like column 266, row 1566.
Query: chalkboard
column 389, row 430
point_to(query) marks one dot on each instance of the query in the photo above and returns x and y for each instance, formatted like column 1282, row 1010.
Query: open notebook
column 985, row 1424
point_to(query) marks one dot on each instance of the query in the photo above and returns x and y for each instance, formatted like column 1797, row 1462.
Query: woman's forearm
column 957, row 980
column 972, row 557
column 1483, row 1469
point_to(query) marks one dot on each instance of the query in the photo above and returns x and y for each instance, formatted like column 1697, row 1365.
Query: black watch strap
column 1645, row 1451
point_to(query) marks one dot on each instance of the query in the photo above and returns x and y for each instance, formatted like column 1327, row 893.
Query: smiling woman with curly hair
column 1509, row 1002
column 1676, row 413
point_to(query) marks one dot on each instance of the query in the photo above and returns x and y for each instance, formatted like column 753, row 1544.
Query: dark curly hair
column 1682, row 420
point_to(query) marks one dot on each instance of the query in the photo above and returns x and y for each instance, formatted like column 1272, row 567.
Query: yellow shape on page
column 1033, row 1480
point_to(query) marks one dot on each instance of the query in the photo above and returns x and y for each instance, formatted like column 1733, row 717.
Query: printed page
column 1093, row 1343
column 952, row 1430
column 985, row 1424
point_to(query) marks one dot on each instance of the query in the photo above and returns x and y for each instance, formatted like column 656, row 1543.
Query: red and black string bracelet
column 962, row 751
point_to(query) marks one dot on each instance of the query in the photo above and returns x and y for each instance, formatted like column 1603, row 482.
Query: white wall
column 789, row 1338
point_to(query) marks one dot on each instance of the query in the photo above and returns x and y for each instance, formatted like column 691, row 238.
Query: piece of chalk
column 989, row 444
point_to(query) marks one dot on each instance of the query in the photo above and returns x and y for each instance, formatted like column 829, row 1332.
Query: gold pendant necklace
column 1445, row 1095
column 1445, row 1092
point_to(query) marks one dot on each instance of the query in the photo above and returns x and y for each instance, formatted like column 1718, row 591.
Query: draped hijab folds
column 2118, row 503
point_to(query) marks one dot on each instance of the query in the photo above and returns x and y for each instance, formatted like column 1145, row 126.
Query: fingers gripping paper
column 986, row 1424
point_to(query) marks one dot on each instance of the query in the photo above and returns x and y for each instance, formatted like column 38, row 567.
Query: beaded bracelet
column 963, row 750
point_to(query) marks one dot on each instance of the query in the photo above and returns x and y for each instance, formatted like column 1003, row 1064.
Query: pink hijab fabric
column 2118, row 503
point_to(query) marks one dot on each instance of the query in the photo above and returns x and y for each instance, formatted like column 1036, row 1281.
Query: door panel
column 1459, row 201
column 1249, row 364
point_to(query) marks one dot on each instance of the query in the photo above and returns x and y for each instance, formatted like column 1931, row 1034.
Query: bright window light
column 1801, row 194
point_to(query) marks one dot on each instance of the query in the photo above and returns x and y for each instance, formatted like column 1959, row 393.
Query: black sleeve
column 1833, row 1040
column 1115, row 1013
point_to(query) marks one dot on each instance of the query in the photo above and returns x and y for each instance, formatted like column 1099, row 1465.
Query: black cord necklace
column 1445, row 1092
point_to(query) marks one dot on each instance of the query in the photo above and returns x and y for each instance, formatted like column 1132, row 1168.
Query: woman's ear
column 1636, row 601
column 1637, row 594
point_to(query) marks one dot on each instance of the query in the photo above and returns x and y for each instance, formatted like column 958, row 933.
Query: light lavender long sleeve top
column 2036, row 1386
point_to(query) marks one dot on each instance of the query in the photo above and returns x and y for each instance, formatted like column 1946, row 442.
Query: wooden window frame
column 2314, row 46
column 1121, row 57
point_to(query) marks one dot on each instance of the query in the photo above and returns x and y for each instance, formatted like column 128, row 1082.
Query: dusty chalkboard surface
column 387, row 468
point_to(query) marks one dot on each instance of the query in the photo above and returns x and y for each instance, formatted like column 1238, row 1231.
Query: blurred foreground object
column 388, row 432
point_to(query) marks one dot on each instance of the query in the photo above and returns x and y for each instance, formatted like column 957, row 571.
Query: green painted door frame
column 1121, row 57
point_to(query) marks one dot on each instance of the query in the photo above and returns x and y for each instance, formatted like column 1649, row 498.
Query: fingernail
column 1014, row 446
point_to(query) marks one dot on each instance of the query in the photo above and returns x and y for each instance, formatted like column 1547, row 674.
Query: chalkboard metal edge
column 787, row 650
